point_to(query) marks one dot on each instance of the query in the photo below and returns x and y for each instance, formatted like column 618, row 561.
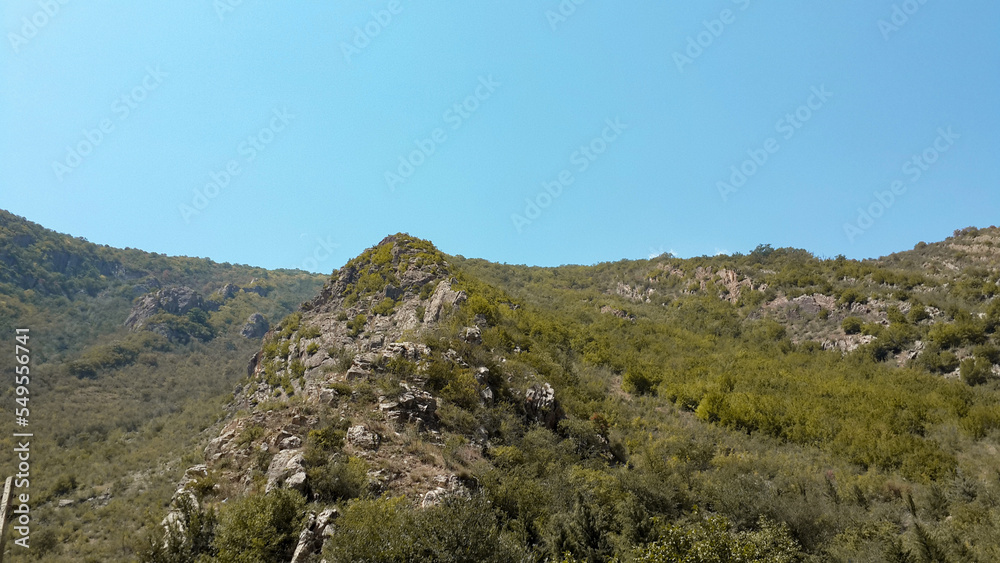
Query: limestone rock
column 413, row 405
column 176, row 301
column 285, row 464
column 472, row 335
column 406, row 350
column 255, row 327
column 363, row 438
column 315, row 531
column 542, row 406
column 443, row 296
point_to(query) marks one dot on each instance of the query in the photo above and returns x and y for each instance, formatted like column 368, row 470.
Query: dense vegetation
column 117, row 415
column 699, row 425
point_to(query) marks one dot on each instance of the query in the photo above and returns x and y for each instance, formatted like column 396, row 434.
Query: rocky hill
column 772, row 404
column 415, row 406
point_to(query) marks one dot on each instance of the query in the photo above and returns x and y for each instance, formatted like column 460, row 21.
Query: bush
column 384, row 307
column 356, row 325
column 191, row 540
column 457, row 530
column 260, row 527
column 918, row 313
column 934, row 360
column 712, row 541
column 852, row 325
column 339, row 479
column 850, row 296
column 896, row 316
column 976, row 371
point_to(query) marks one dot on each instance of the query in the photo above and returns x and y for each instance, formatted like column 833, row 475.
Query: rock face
column 360, row 437
column 542, row 406
column 287, row 465
column 229, row 291
column 176, row 301
column 255, row 327
column 317, row 528
column 442, row 296
column 414, row 405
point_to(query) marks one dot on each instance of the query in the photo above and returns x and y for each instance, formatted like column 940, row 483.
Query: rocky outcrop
column 413, row 406
column 175, row 300
column 255, row 327
column 633, row 293
column 542, row 407
column 608, row 310
column 286, row 468
column 443, row 297
column 449, row 486
column 472, row 335
column 363, row 438
column 733, row 284
column 317, row 528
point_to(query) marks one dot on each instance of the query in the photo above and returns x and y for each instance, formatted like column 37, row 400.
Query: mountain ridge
column 772, row 403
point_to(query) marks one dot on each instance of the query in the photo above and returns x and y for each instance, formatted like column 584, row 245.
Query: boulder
column 285, row 464
column 361, row 437
column 542, row 406
column 229, row 291
column 413, row 405
column 255, row 327
column 472, row 335
column 406, row 350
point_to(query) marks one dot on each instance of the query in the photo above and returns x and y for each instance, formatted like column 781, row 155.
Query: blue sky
column 539, row 132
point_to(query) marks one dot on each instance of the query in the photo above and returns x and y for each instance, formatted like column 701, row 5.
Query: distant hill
column 114, row 410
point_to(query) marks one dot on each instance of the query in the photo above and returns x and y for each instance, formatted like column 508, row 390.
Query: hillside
column 416, row 406
column 772, row 406
column 115, row 408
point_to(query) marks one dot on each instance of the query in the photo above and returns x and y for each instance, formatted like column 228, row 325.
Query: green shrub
column 935, row 360
column 339, row 479
column 712, row 541
column 852, row 325
column 356, row 325
column 384, row 307
column 260, row 528
column 896, row 316
column 312, row 348
column 917, row 314
column 389, row 529
column 850, row 296
column 976, row 371
column 309, row 332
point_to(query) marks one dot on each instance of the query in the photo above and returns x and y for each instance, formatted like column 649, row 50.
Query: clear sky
column 295, row 134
